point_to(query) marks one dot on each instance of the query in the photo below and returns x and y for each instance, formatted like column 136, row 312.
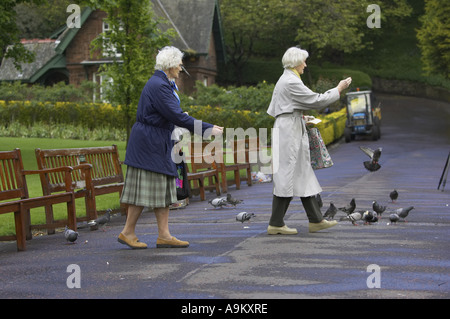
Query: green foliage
column 87, row 115
column 327, row 29
column 40, row 20
column 59, row 92
column 334, row 75
column 434, row 37
column 9, row 33
column 252, row 98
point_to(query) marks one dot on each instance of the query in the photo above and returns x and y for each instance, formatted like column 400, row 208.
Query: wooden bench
column 105, row 177
column 14, row 197
column 240, row 153
column 203, row 167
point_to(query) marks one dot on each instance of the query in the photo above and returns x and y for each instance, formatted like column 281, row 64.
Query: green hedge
column 94, row 121
column 332, row 126
column 88, row 115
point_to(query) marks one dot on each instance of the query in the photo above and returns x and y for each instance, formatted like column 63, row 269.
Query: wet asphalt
column 227, row 259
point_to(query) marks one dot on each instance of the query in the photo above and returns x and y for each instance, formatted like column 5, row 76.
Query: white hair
column 168, row 57
column 294, row 57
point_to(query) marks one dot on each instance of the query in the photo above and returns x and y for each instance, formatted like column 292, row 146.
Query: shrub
column 88, row 115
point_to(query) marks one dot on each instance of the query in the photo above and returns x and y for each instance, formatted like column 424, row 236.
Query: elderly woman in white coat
column 292, row 171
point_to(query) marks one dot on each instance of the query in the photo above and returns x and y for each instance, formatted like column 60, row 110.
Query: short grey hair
column 168, row 57
column 294, row 57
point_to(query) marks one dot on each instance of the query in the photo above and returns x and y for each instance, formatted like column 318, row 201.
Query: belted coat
column 292, row 171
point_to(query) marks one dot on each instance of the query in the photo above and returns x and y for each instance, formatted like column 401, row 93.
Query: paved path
column 227, row 259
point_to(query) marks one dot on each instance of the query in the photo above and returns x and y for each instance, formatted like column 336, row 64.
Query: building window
column 205, row 80
column 109, row 50
column 101, row 80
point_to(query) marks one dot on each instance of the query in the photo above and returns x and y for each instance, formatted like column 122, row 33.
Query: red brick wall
column 201, row 68
column 79, row 49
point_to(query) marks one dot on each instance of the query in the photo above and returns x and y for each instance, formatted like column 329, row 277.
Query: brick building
column 66, row 56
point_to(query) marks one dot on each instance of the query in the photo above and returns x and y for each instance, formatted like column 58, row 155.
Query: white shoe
column 324, row 224
column 272, row 230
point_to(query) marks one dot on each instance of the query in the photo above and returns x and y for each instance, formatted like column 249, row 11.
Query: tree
column 40, row 21
column 256, row 27
column 9, row 33
column 131, row 42
column 434, row 37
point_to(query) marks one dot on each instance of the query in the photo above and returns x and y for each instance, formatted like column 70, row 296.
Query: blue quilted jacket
column 150, row 144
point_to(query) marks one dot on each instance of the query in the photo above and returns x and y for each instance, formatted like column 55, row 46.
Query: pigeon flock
column 368, row 216
column 373, row 215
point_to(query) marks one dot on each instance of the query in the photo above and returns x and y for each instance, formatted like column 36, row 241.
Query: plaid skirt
column 148, row 189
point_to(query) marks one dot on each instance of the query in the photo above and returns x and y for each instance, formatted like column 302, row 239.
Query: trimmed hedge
column 332, row 126
column 101, row 121
column 88, row 115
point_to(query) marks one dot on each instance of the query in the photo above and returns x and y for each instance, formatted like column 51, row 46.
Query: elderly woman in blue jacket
column 151, row 172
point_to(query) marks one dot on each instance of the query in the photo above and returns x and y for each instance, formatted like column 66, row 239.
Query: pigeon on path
column 218, row 202
column 244, row 216
column 394, row 218
column 233, row 201
column 393, row 195
column 353, row 217
column 350, row 208
column 374, row 155
column 70, row 235
column 403, row 212
column 105, row 218
column 370, row 217
column 331, row 211
column 379, row 209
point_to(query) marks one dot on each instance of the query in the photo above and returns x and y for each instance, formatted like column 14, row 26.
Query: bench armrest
column 67, row 170
column 48, row 170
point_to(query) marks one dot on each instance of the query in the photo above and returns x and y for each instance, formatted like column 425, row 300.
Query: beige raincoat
column 292, row 171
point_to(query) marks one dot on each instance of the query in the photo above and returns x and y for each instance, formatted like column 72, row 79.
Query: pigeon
column 233, row 201
column 105, row 218
column 370, row 217
column 350, row 208
column 218, row 202
column 403, row 212
column 393, row 195
column 394, row 218
column 70, row 235
column 353, row 217
column 374, row 155
column 379, row 209
column 244, row 216
column 331, row 211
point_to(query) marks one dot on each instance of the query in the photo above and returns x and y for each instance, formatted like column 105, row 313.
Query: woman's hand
column 217, row 130
column 344, row 84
